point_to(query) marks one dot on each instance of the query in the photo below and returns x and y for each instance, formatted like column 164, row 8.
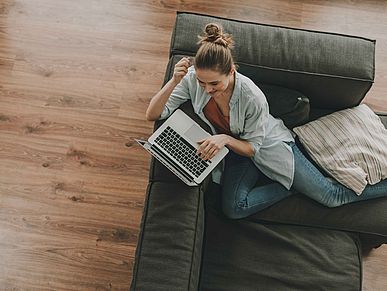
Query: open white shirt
column 250, row 120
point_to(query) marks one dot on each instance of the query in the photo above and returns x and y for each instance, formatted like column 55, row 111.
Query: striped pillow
column 350, row 145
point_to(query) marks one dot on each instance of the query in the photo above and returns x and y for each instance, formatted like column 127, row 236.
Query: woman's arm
column 157, row 103
column 210, row 146
column 241, row 147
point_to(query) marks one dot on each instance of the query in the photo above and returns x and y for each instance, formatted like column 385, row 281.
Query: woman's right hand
column 181, row 69
column 157, row 103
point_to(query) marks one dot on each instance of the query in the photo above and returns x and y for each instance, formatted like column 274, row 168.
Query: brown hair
column 215, row 50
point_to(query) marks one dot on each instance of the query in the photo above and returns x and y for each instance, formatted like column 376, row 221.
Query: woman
column 237, row 111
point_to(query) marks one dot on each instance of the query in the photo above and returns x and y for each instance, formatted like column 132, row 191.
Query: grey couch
column 186, row 243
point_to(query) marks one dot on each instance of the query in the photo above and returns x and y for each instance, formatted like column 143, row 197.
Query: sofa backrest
column 334, row 71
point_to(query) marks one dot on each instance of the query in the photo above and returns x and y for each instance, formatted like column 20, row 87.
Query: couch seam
column 359, row 257
column 141, row 238
column 179, row 52
column 290, row 222
column 309, row 73
column 195, row 238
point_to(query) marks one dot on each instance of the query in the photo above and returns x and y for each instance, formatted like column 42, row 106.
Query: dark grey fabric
column 383, row 118
column 289, row 105
column 170, row 243
column 283, row 47
column 325, row 92
column 241, row 255
column 370, row 242
column 321, row 65
column 367, row 217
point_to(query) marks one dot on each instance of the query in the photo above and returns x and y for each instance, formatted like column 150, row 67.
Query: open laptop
column 174, row 144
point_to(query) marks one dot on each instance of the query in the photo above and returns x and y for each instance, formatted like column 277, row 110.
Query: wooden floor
column 75, row 80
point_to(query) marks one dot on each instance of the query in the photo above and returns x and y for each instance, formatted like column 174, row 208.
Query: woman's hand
column 181, row 69
column 157, row 103
column 210, row 146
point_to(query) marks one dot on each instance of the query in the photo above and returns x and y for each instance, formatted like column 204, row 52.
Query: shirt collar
column 237, row 89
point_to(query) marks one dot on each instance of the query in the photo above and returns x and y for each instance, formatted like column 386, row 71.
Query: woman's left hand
column 210, row 146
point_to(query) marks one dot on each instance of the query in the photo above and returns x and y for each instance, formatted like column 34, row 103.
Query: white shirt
column 250, row 120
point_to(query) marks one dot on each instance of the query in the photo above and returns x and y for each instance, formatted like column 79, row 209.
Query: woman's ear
column 232, row 71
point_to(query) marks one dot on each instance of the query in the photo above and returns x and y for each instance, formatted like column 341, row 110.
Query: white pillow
column 350, row 145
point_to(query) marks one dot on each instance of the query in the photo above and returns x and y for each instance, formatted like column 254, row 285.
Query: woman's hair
column 215, row 50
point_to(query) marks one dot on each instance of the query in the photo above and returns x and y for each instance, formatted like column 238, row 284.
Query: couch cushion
column 350, row 145
column 243, row 255
column 335, row 71
column 169, row 249
column 300, row 210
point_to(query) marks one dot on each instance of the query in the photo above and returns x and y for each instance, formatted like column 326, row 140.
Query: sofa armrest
column 366, row 217
column 169, row 248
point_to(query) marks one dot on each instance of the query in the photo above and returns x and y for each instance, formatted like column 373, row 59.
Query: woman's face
column 213, row 82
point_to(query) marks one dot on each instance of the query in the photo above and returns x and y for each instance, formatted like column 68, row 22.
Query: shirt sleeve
column 256, row 119
column 179, row 95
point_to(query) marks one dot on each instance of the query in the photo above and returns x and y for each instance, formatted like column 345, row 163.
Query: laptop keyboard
column 182, row 151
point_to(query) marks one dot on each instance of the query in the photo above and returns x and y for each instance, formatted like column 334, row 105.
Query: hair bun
column 213, row 32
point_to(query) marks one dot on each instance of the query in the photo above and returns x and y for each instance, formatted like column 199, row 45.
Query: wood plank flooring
column 75, row 80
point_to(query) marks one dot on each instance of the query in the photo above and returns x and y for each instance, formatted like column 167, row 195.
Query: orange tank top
column 216, row 117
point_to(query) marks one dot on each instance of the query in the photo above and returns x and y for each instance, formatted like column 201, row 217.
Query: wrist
column 227, row 139
column 174, row 81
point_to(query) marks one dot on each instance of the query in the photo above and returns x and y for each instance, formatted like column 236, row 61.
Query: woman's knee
column 332, row 203
column 235, row 209
column 331, row 199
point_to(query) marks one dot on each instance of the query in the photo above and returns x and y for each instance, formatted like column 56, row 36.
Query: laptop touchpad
column 195, row 133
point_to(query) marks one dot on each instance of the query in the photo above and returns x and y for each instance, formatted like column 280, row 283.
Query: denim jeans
column 241, row 197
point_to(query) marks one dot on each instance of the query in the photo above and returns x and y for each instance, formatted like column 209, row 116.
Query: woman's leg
column 309, row 181
column 240, row 197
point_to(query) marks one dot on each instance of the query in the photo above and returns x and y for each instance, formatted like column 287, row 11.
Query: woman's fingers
column 211, row 153
column 207, row 149
column 202, row 145
column 181, row 68
column 184, row 62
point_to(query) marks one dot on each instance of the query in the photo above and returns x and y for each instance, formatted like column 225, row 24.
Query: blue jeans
column 241, row 198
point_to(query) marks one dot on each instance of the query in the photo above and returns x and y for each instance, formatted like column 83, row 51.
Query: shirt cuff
column 165, row 113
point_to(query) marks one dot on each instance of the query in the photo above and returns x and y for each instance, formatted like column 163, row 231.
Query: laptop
column 174, row 144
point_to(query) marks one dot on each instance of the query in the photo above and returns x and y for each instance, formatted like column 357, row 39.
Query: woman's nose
column 209, row 89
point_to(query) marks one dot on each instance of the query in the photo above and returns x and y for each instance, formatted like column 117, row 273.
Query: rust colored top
column 216, row 117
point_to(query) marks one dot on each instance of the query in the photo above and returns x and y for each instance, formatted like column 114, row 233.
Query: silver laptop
column 174, row 144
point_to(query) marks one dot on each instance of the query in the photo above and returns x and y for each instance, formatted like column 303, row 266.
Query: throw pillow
column 287, row 104
column 350, row 145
